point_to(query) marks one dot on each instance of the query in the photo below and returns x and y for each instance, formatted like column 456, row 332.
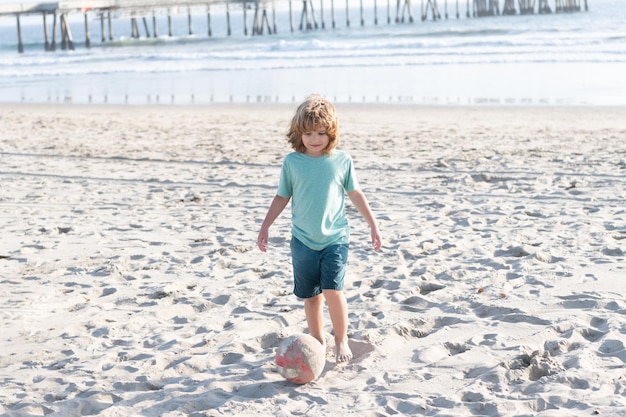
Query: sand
column 131, row 284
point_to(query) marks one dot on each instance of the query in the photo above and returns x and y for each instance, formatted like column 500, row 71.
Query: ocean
column 567, row 59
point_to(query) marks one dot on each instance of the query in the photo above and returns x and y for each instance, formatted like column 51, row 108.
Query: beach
column 132, row 284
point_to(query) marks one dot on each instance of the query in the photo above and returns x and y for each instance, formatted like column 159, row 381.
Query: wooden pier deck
column 106, row 10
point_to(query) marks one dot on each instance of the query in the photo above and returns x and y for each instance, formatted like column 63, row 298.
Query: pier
column 259, row 16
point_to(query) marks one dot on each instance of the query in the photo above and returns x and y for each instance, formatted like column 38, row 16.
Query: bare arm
column 360, row 202
column 278, row 205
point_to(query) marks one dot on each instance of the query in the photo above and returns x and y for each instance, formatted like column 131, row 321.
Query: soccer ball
column 300, row 358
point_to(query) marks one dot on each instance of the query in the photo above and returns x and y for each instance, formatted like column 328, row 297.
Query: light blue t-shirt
column 317, row 188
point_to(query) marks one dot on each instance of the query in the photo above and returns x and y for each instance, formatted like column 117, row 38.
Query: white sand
column 131, row 284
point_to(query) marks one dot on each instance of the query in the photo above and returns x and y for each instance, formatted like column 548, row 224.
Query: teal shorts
column 315, row 271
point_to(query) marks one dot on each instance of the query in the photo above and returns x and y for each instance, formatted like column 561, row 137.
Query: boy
column 315, row 178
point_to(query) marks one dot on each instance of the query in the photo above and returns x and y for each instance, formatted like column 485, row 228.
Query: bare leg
column 338, row 310
column 313, row 309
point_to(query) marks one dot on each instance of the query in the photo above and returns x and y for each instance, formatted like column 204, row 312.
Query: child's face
column 316, row 141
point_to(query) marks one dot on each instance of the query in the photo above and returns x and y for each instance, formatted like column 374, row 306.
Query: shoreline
column 589, row 117
column 296, row 101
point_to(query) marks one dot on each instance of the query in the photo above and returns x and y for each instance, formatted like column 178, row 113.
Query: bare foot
column 342, row 352
column 322, row 341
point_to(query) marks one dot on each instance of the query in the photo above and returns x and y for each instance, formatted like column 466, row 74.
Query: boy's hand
column 262, row 240
column 377, row 242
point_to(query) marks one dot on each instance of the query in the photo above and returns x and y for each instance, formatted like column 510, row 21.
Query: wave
column 270, row 53
column 35, row 72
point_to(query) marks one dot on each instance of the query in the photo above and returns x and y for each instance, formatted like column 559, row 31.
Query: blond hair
column 314, row 113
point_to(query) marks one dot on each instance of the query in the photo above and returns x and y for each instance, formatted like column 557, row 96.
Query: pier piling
column 306, row 17
column 256, row 23
column 228, row 19
column 110, row 26
column 492, row 8
column 145, row 26
column 526, row 6
column 315, row 24
column 68, row 33
column 155, row 33
column 134, row 30
column 208, row 18
column 406, row 7
column 275, row 23
column 362, row 15
column 266, row 20
column 45, row 33
column 261, row 20
column 53, row 42
column 567, row 6
column 87, row 35
column 544, row 7
column 63, row 32
column 189, row 21
column 245, row 18
column 65, row 42
column 375, row 13
column 432, row 4
column 509, row 8
column 20, row 44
